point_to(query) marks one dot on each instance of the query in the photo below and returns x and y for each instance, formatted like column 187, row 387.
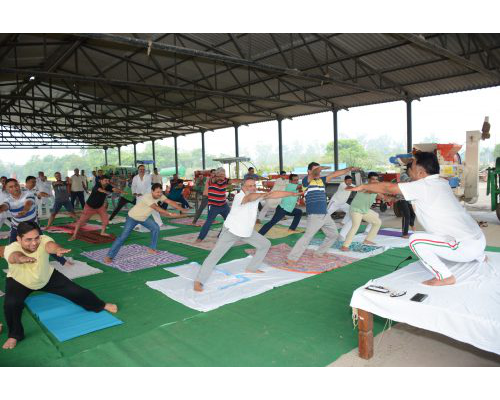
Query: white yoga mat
column 228, row 284
column 140, row 228
column 468, row 311
column 353, row 254
column 78, row 270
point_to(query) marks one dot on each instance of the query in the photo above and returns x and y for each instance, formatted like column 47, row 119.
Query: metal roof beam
column 447, row 54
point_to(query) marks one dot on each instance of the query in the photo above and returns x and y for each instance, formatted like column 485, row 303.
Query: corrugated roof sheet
column 109, row 90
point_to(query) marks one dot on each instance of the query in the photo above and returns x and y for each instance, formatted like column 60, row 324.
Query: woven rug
column 94, row 237
column 206, row 244
column 278, row 232
column 69, row 228
column 308, row 264
column 359, row 247
column 134, row 257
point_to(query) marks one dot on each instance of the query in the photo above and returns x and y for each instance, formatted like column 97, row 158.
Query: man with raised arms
column 239, row 225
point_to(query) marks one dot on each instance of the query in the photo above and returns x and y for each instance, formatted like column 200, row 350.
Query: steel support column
column 335, row 140
column 409, row 144
column 105, row 156
column 176, row 155
column 280, row 144
column 119, row 156
column 237, row 150
column 203, row 149
column 154, row 154
column 135, row 155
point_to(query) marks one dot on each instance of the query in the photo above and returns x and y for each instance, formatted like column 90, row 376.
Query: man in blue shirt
column 316, row 209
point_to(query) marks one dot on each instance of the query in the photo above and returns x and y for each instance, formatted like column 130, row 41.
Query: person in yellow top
column 29, row 271
column 141, row 214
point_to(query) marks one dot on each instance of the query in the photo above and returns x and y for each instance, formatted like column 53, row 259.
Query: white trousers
column 433, row 249
column 332, row 207
column 270, row 204
column 43, row 206
column 4, row 220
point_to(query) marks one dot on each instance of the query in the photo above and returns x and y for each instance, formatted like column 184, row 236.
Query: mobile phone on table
column 419, row 297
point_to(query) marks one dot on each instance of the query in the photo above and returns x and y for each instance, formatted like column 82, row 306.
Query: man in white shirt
column 340, row 197
column 5, row 215
column 239, row 225
column 78, row 186
column 271, row 204
column 156, row 177
column 450, row 232
column 44, row 189
column 141, row 185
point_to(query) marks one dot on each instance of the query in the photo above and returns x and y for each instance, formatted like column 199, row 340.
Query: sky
column 447, row 117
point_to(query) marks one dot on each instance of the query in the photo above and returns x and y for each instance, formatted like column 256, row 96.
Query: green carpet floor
column 306, row 323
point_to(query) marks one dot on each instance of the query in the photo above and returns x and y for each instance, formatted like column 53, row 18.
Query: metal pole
column 154, row 155
column 105, row 156
column 409, row 144
column 203, row 149
column 280, row 143
column 335, row 141
column 236, row 151
column 176, row 159
column 119, row 156
column 135, row 155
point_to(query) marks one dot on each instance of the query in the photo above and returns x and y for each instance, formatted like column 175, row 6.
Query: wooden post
column 365, row 338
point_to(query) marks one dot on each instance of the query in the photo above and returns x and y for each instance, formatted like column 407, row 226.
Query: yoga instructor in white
column 450, row 232
column 239, row 225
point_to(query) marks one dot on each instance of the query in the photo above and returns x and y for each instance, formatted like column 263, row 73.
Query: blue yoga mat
column 66, row 320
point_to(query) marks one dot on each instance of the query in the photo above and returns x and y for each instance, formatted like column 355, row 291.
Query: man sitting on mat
column 141, row 214
column 450, row 232
column 239, row 225
column 286, row 207
column 29, row 271
column 97, row 204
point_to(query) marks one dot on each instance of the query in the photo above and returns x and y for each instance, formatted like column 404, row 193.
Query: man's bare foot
column 69, row 262
column 369, row 242
column 153, row 251
column 291, row 263
column 105, row 234
column 412, row 228
column 257, row 221
column 112, row 308
column 198, row 286
column 108, row 260
column 257, row 271
column 405, row 236
column 72, row 238
column 197, row 241
column 444, row 282
column 343, row 248
column 292, row 231
column 9, row 344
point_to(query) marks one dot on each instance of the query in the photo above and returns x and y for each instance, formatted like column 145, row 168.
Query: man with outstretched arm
column 30, row 270
column 141, row 214
column 239, row 225
column 450, row 232
column 316, row 209
column 97, row 204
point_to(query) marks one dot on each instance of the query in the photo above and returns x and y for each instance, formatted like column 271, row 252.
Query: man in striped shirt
column 21, row 204
column 217, row 202
column 316, row 209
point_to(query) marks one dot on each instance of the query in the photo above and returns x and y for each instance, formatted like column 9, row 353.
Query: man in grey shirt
column 62, row 198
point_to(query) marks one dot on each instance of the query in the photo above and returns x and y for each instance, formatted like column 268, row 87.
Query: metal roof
column 107, row 90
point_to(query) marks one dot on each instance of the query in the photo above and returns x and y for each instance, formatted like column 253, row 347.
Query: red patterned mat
column 308, row 264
